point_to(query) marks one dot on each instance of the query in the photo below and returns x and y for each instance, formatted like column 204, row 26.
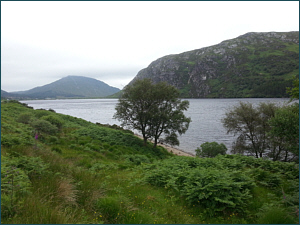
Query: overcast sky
column 43, row 41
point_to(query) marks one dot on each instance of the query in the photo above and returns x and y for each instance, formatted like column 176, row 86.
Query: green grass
column 90, row 174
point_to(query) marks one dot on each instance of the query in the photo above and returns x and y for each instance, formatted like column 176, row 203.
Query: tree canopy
column 294, row 91
column 153, row 109
column 250, row 123
column 285, row 132
column 265, row 131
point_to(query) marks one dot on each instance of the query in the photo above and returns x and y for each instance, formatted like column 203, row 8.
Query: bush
column 24, row 118
column 54, row 121
column 44, row 127
column 211, row 149
column 41, row 112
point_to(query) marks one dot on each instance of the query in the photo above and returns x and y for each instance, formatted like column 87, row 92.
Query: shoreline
column 170, row 149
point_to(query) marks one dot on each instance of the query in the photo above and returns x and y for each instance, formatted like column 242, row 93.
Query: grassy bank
column 61, row 169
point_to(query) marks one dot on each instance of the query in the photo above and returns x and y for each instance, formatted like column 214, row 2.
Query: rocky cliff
column 251, row 65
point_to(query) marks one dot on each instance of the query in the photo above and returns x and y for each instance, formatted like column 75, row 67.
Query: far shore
column 170, row 149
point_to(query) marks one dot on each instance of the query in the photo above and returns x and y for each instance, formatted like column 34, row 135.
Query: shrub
column 24, row 118
column 54, row 121
column 211, row 149
column 44, row 126
column 41, row 112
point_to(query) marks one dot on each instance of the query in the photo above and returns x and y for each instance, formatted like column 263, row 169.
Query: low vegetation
column 61, row 169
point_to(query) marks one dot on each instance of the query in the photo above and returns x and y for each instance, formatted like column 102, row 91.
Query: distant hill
column 7, row 95
column 251, row 65
column 4, row 93
column 70, row 87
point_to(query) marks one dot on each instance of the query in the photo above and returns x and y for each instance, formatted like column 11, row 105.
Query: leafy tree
column 251, row 126
column 211, row 149
column 285, row 132
column 294, row 91
column 153, row 109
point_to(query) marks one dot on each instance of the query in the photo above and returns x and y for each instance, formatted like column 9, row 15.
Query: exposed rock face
column 251, row 65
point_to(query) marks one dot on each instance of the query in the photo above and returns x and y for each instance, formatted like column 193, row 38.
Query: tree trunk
column 145, row 139
column 155, row 142
column 286, row 155
column 276, row 156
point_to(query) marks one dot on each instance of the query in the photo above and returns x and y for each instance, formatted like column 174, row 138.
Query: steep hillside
column 58, row 169
column 71, row 87
column 251, row 65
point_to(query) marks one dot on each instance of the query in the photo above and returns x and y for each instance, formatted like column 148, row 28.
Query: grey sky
column 43, row 41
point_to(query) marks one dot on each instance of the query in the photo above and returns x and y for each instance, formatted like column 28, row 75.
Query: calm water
column 206, row 115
